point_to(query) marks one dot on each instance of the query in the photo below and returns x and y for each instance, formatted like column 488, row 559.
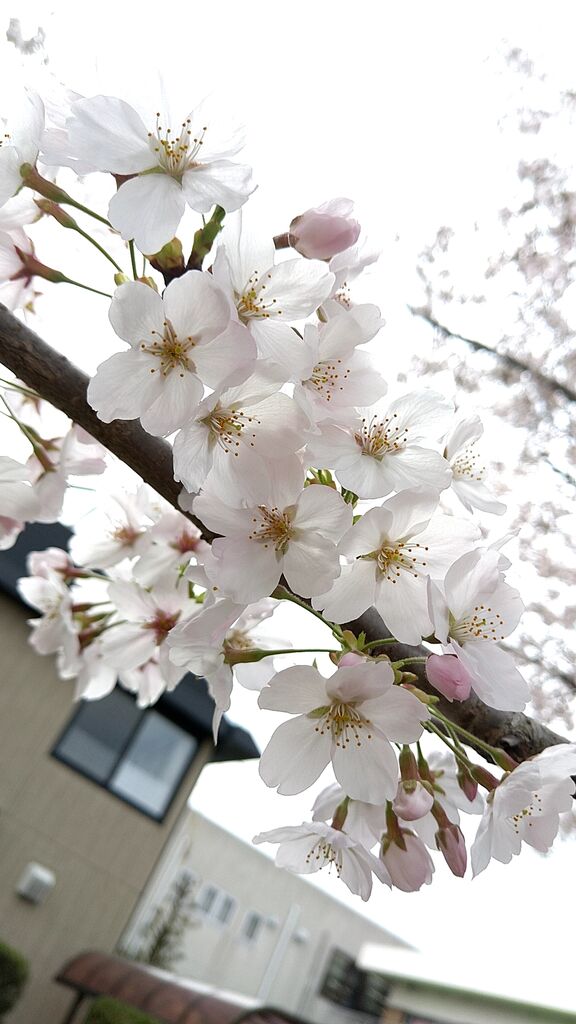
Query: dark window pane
column 226, row 909
column 252, row 924
column 98, row 733
column 153, row 764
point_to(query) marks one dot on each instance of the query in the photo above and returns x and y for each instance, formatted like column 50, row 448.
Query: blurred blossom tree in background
column 497, row 301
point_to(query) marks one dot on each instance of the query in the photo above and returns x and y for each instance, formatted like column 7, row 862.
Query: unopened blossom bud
column 452, row 846
column 351, row 658
column 467, row 784
column 448, row 675
column 409, row 868
column 323, row 231
column 34, row 180
column 412, row 800
column 42, row 563
column 51, row 209
column 484, row 777
column 31, row 267
column 170, row 258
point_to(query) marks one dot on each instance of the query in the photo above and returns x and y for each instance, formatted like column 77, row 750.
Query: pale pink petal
column 108, row 133
column 124, row 386
column 296, row 690
column 310, row 564
column 181, row 394
column 247, row 570
column 219, row 183
column 351, row 594
column 148, row 209
column 296, row 756
column 196, row 306
column 322, row 509
column 228, row 358
column 367, row 769
column 137, row 313
column 404, row 607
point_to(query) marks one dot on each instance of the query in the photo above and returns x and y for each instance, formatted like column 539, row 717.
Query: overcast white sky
column 397, row 106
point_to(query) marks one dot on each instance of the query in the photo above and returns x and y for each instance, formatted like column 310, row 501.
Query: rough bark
column 63, row 385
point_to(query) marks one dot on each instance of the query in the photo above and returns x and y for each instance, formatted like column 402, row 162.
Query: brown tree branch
column 63, row 385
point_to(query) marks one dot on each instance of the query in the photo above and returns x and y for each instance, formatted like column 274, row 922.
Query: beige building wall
column 285, row 963
column 101, row 849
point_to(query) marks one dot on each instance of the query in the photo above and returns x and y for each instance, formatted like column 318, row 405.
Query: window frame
column 121, row 754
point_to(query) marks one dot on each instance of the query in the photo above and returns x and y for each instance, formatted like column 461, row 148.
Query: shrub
column 110, row 1011
column 13, row 977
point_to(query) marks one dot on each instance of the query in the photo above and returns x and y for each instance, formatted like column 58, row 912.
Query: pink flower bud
column 468, row 785
column 411, row 868
column 412, row 801
column 323, row 231
column 448, row 675
column 351, row 658
column 450, row 842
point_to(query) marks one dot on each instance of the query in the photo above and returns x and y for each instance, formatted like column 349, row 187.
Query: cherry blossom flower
column 396, row 547
column 254, row 418
column 201, row 644
column 50, row 561
column 134, row 644
column 323, row 231
column 54, row 631
column 347, row 266
column 171, row 164
column 172, row 543
column 376, row 451
column 20, row 144
column 525, row 807
column 267, row 298
column 111, row 535
column 350, row 719
column 475, row 611
column 468, row 473
column 364, row 822
column 307, row 848
column 178, row 344
column 19, row 503
column 75, row 454
column 271, row 526
column 336, row 375
column 16, row 287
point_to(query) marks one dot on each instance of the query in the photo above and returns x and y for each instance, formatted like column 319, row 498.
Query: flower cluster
column 309, row 483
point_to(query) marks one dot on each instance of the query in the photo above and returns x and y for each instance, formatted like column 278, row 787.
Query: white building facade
column 263, row 932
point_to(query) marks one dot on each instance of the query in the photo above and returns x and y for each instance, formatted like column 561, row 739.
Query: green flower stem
column 99, row 247
column 500, row 757
column 37, row 448
column 85, row 209
column 380, row 643
column 283, row 594
column 430, row 727
column 132, row 259
column 11, row 385
column 86, row 287
column 409, row 661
